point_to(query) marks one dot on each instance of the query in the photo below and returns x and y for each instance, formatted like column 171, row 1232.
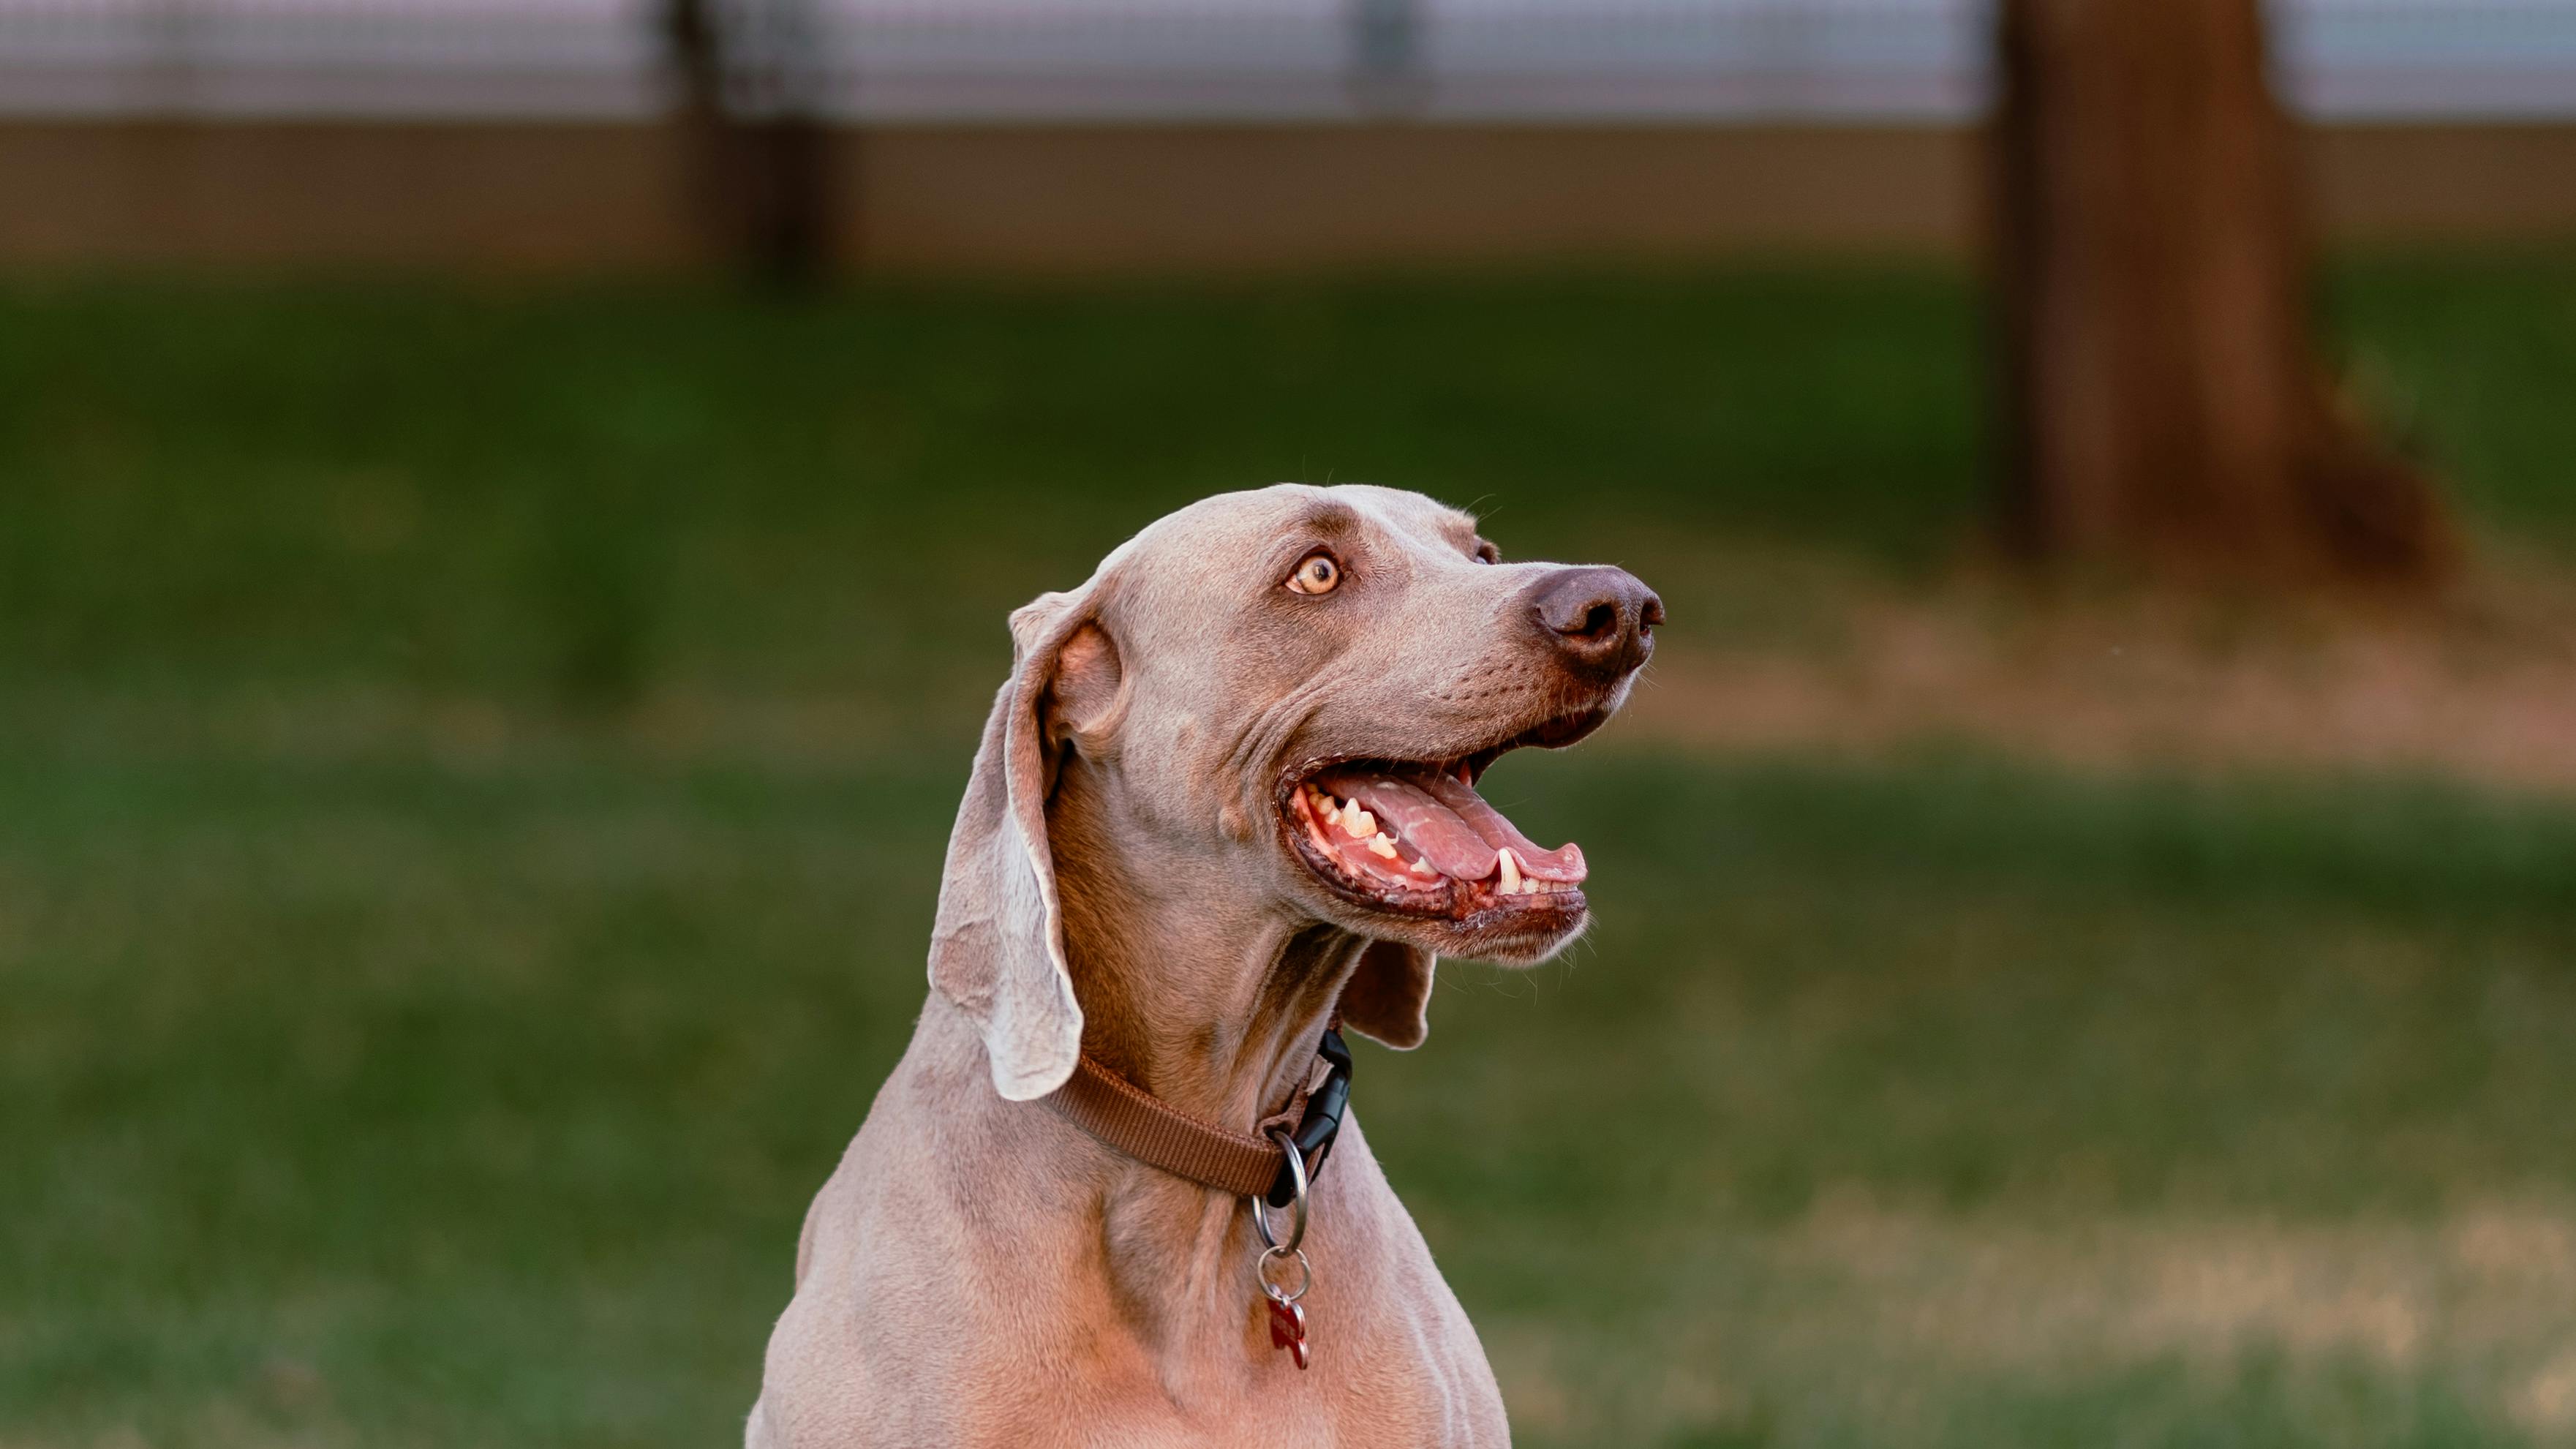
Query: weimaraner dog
column 1224, row 804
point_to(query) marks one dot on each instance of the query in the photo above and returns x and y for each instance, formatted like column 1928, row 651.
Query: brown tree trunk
column 760, row 187
column 2161, row 402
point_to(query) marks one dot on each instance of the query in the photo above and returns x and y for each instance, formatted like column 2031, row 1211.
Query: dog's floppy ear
column 997, row 949
column 1389, row 996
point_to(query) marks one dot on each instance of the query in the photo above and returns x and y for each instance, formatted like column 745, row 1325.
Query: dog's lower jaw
column 1408, row 850
column 1521, row 950
column 1514, row 944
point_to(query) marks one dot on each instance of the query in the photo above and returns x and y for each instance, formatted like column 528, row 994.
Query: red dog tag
column 1288, row 1329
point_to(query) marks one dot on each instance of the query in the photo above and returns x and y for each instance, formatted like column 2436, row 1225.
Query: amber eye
column 1317, row 575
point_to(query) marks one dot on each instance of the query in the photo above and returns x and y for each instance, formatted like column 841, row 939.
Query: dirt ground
column 2477, row 685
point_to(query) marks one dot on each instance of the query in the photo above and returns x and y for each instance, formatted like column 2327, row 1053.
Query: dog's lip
column 1551, row 734
column 1555, row 733
column 1476, row 906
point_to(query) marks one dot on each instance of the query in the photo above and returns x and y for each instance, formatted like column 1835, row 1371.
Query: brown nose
column 1600, row 619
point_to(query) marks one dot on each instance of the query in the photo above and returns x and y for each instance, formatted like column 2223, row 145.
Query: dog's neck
column 1213, row 1004
column 1209, row 999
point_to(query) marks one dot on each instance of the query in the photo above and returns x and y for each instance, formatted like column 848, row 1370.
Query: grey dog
column 1226, row 797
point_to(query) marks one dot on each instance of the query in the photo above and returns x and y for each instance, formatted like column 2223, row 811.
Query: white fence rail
column 896, row 60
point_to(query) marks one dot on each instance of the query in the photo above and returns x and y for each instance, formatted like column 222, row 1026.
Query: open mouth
column 1414, row 838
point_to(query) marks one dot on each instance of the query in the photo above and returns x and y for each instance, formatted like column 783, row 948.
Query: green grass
column 473, row 769
column 583, row 494
column 582, row 498
column 2454, row 360
column 416, row 1105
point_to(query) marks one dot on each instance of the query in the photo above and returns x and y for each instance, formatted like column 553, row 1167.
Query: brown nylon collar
column 1125, row 1116
column 1134, row 1121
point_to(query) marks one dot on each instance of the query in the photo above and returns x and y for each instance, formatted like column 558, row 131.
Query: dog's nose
column 1600, row 619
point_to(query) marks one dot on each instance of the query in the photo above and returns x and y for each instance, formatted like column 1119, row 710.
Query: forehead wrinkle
column 1340, row 520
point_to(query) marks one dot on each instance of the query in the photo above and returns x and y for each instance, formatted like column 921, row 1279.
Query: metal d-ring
column 1305, row 1274
column 1296, row 1203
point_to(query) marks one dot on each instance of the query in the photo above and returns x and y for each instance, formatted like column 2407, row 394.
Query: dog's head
column 1295, row 689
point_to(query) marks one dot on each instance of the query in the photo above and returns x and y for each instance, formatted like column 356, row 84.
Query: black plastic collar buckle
column 1315, row 1132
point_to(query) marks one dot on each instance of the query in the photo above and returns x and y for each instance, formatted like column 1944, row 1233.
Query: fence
column 1318, row 60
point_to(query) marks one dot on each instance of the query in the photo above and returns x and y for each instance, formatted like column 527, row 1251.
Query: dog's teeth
column 1382, row 847
column 1357, row 823
column 1511, row 873
column 1424, row 867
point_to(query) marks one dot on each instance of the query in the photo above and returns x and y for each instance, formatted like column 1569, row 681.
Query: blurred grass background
column 474, row 762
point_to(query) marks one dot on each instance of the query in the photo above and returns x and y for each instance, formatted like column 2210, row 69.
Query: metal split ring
column 1305, row 1274
column 1296, row 1204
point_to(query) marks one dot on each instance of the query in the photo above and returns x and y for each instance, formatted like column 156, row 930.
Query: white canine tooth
column 1511, row 873
column 1424, row 867
column 1380, row 846
column 1358, row 824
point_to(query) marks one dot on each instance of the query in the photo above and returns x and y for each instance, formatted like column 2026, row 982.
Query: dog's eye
column 1487, row 553
column 1316, row 575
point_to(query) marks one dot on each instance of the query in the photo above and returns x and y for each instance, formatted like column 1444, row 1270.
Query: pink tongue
column 1450, row 825
column 1563, row 863
column 1409, row 813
